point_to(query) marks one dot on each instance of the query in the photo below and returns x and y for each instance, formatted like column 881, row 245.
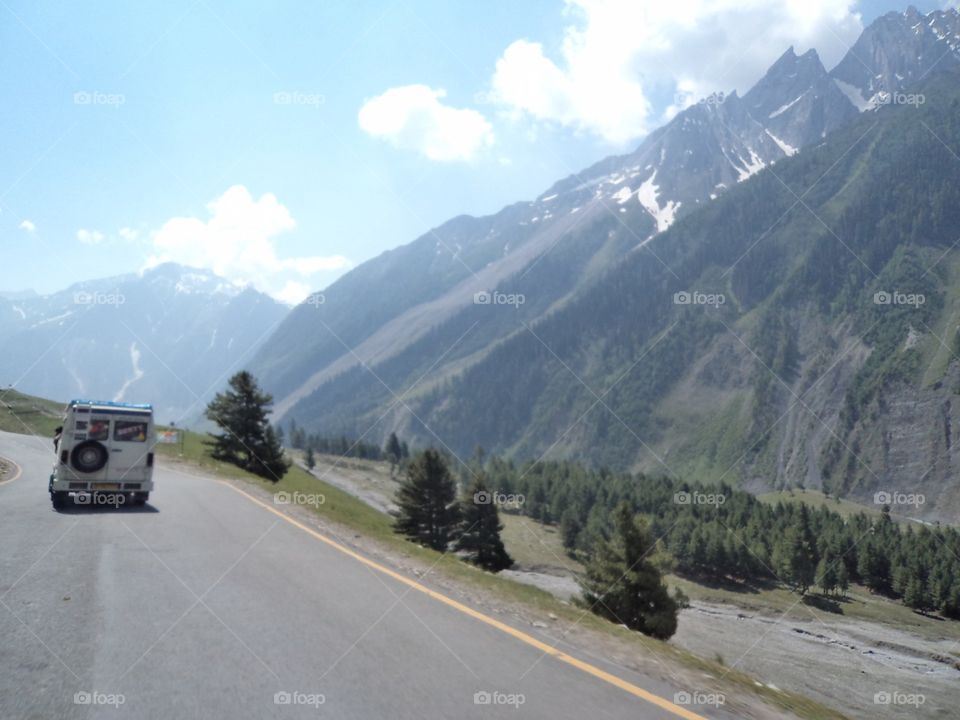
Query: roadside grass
column 534, row 545
column 343, row 509
column 25, row 414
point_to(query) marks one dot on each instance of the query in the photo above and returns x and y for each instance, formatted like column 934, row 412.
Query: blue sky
column 281, row 143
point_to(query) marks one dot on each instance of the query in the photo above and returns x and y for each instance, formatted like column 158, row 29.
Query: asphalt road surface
column 205, row 604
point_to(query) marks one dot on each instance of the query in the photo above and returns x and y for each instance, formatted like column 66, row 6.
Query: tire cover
column 89, row 457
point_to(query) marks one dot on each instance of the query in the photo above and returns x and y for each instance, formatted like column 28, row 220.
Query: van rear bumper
column 100, row 485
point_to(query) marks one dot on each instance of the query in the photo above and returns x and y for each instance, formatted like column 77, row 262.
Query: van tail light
column 64, row 457
column 149, row 459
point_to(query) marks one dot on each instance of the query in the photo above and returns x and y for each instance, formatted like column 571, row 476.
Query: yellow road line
column 16, row 475
column 503, row 627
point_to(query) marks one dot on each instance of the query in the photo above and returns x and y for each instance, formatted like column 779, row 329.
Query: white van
column 104, row 448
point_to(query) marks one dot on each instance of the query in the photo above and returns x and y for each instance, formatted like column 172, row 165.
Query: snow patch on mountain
column 137, row 373
column 648, row 194
column 788, row 150
column 750, row 168
column 855, row 96
column 783, row 108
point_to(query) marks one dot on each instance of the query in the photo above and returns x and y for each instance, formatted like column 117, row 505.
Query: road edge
column 16, row 474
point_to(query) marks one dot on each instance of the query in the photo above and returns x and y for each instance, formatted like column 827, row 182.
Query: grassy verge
column 28, row 415
column 344, row 509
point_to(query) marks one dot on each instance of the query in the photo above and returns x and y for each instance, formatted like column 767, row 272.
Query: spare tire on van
column 89, row 456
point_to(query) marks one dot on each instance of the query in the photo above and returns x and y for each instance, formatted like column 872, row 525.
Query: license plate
column 106, row 486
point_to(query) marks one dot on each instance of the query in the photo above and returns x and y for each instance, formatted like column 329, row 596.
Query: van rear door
column 129, row 447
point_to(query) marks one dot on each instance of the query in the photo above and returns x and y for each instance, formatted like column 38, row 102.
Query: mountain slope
column 383, row 307
column 449, row 372
column 803, row 375
column 166, row 337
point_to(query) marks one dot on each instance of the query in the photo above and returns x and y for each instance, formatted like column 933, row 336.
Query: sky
column 280, row 144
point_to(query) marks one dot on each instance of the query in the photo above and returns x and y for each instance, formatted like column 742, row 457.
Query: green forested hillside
column 800, row 376
column 799, row 253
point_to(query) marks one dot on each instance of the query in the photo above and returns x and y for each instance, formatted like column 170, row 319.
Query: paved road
column 204, row 604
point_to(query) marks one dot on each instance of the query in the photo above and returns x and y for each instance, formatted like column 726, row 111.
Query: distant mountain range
column 169, row 336
column 491, row 330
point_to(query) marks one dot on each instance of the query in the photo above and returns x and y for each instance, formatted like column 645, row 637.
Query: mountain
column 895, row 52
column 169, row 336
column 561, row 239
column 401, row 343
column 18, row 294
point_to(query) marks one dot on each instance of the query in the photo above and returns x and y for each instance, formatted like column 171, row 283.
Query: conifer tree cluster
column 743, row 539
column 431, row 514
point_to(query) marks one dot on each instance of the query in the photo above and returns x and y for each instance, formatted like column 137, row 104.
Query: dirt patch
column 847, row 664
column 7, row 469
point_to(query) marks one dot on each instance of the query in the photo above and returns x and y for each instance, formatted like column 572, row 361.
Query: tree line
column 719, row 533
column 297, row 438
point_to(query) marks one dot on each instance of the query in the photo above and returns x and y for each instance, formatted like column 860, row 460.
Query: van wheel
column 140, row 498
column 59, row 499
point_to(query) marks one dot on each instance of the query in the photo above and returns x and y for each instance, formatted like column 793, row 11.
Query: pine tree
column 393, row 451
column 826, row 576
column 843, row 579
column 570, row 528
column 916, row 595
column 427, row 500
column 309, row 460
column 801, row 553
column 622, row 585
column 248, row 440
column 480, row 528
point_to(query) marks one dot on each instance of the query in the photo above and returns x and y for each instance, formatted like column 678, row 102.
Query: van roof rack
column 111, row 403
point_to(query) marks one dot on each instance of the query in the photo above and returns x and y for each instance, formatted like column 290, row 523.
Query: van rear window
column 129, row 431
column 98, row 430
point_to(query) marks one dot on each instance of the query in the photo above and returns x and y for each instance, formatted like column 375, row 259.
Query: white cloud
column 28, row 226
column 238, row 242
column 616, row 54
column 90, row 237
column 128, row 234
column 294, row 292
column 413, row 117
